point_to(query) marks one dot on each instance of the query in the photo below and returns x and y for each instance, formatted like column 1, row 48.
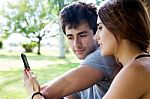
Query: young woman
column 124, row 31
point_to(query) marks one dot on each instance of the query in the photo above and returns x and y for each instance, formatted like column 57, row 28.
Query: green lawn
column 11, row 78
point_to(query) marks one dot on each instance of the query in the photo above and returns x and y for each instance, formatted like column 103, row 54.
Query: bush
column 1, row 44
column 29, row 46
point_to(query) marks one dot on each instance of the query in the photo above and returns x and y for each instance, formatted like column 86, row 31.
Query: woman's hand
column 31, row 83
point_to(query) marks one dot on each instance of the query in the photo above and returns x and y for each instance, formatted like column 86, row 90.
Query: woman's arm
column 32, row 85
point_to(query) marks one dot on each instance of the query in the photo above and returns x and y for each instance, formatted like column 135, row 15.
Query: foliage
column 28, row 17
column 29, row 46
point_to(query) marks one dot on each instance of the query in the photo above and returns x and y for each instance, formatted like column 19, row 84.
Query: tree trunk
column 39, row 46
column 61, row 36
column 61, row 45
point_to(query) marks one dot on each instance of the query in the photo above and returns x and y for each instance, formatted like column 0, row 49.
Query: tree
column 29, row 17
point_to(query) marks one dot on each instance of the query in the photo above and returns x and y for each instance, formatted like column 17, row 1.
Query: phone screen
column 25, row 61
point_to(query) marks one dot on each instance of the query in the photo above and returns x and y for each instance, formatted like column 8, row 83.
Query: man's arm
column 73, row 81
column 71, row 97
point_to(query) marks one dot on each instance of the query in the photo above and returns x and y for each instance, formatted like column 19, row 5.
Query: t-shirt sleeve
column 77, row 95
column 103, row 63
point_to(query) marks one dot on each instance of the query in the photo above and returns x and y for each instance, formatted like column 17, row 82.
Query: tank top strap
column 142, row 55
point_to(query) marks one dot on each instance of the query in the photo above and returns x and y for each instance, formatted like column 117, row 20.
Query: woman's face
column 106, row 40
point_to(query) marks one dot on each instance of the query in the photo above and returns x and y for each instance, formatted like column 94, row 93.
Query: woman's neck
column 127, row 52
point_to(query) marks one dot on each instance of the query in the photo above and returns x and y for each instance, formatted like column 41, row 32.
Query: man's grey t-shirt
column 104, row 64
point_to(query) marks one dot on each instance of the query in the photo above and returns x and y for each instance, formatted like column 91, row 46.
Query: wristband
column 36, row 94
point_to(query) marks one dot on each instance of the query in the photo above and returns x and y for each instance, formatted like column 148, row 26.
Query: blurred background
column 32, row 27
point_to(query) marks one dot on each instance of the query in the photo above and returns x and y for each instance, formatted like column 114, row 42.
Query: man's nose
column 77, row 43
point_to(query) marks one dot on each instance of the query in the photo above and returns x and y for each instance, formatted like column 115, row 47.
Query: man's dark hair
column 74, row 14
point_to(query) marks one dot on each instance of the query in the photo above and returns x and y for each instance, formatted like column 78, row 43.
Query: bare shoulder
column 132, row 82
column 139, row 68
column 139, row 71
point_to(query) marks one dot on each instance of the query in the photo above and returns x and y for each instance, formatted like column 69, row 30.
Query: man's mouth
column 79, row 51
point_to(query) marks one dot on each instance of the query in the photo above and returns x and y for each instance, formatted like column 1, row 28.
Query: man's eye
column 69, row 37
column 83, row 35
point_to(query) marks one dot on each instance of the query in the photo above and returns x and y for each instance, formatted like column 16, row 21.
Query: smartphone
column 25, row 61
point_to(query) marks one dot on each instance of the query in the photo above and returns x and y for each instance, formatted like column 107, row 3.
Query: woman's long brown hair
column 127, row 19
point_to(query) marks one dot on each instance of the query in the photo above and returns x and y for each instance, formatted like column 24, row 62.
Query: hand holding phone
column 32, row 85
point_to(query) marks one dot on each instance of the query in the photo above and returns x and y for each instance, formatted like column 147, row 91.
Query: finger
column 25, row 76
column 32, row 78
column 31, row 74
column 27, row 79
column 36, row 85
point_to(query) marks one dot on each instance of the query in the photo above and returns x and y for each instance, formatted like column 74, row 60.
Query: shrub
column 29, row 46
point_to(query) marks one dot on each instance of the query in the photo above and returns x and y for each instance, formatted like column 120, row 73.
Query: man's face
column 81, row 40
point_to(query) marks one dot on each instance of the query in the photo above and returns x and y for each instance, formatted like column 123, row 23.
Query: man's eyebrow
column 83, row 32
column 68, row 34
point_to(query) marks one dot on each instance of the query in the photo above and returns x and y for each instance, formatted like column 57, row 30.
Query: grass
column 11, row 78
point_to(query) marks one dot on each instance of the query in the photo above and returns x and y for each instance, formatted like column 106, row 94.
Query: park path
column 6, row 65
column 11, row 63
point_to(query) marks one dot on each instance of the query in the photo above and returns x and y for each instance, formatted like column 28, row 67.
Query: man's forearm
column 59, row 87
column 55, row 90
column 71, row 82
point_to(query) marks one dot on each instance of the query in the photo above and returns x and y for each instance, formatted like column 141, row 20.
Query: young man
column 92, row 78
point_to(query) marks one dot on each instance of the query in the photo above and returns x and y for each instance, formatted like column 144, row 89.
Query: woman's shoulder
column 139, row 67
column 134, row 78
column 136, row 69
column 139, row 72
